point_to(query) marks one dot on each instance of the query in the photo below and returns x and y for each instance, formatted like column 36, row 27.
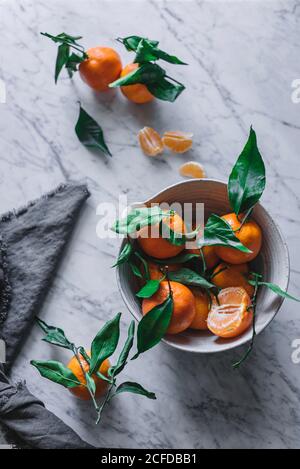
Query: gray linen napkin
column 31, row 245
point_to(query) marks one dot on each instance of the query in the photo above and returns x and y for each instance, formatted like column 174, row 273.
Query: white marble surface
column 243, row 57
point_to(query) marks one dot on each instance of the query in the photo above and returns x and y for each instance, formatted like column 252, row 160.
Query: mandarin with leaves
column 154, row 244
column 232, row 275
column 79, row 370
column 102, row 67
column 137, row 93
column 250, row 235
column 184, row 308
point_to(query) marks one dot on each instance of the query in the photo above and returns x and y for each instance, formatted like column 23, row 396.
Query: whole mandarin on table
column 137, row 93
column 249, row 234
column 202, row 309
column 152, row 242
column 231, row 315
column 184, row 309
column 102, row 67
column 81, row 391
column 232, row 275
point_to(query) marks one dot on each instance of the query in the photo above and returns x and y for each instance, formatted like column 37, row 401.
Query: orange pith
column 192, row 169
column 250, row 236
column 232, row 315
column 178, row 142
column 232, row 275
column 154, row 245
column 184, row 305
column 137, row 93
column 81, row 391
column 102, row 67
column 202, row 308
column 150, row 141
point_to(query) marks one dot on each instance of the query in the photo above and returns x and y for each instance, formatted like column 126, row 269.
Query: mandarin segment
column 192, row 169
column 231, row 315
column 150, row 141
column 178, row 142
column 184, row 309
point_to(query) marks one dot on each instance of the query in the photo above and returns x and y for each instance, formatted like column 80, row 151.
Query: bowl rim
column 286, row 274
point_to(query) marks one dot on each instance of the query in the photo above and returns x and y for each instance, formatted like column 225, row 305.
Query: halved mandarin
column 232, row 315
column 192, row 169
column 178, row 142
column 150, row 141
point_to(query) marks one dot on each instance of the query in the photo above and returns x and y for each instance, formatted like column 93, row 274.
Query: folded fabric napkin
column 31, row 245
column 27, row 416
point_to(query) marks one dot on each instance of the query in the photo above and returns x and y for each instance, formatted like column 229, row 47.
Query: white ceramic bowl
column 273, row 261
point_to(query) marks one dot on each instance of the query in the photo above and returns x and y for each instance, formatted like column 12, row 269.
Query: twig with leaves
column 103, row 346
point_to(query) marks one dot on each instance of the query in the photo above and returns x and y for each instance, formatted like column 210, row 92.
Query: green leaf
column 90, row 133
column 90, row 383
column 135, row 270
column 54, row 335
column 149, row 289
column 105, row 343
column 135, row 388
column 137, row 218
column 63, row 52
column 147, row 51
column 146, row 74
column 57, row 372
column 153, row 326
column 124, row 255
column 145, row 264
column 165, row 90
column 72, row 63
column 178, row 239
column 64, row 38
column 132, row 42
column 217, row 232
column 122, row 360
column 247, row 179
column 189, row 277
column 275, row 288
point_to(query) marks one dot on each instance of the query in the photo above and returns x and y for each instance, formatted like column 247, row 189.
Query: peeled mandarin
column 231, row 315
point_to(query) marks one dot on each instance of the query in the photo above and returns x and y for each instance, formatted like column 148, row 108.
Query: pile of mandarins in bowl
column 227, row 314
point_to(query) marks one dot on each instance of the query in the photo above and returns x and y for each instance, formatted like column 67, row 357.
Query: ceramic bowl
column 273, row 261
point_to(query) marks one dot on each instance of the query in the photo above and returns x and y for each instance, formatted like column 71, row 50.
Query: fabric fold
column 26, row 415
column 35, row 237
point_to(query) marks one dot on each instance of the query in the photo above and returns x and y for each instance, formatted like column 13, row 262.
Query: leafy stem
column 77, row 355
column 253, row 307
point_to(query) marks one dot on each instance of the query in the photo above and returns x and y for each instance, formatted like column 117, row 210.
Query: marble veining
column 243, row 57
